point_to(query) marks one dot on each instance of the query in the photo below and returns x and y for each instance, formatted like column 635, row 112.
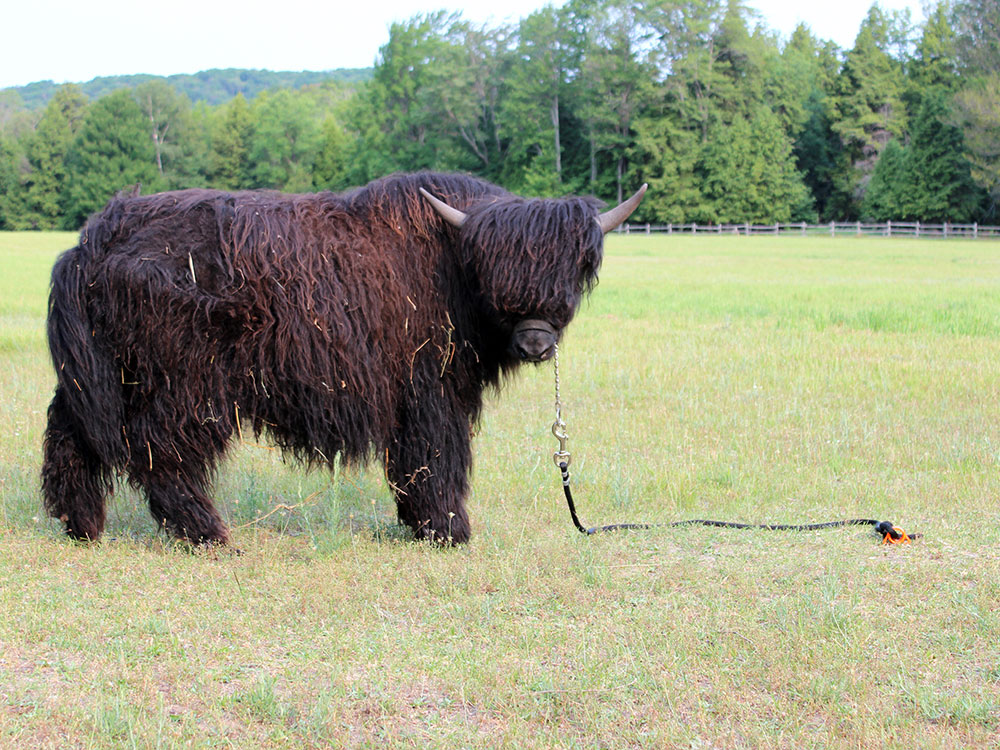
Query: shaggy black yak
column 365, row 324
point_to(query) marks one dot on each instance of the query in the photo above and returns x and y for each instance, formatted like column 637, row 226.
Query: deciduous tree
column 168, row 114
column 615, row 84
column 283, row 143
column 977, row 113
column 546, row 59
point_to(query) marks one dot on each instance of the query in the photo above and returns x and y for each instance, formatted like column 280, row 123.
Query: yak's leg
column 428, row 467
column 182, row 505
column 173, row 469
column 75, row 483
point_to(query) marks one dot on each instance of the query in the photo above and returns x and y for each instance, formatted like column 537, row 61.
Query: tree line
column 215, row 86
column 725, row 121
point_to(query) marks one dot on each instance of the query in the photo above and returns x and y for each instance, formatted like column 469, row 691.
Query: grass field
column 754, row 379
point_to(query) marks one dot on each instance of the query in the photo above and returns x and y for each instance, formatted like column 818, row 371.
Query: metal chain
column 558, row 402
column 561, row 456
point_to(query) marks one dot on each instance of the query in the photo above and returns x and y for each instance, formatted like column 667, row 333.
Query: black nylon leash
column 890, row 533
column 886, row 529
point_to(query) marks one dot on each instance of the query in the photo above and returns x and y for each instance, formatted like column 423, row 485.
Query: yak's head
column 533, row 260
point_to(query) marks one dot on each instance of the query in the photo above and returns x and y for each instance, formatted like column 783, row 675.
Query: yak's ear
column 452, row 215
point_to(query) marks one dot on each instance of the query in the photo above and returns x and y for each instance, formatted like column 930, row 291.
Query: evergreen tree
column 803, row 75
column 229, row 161
column 674, row 127
column 748, row 174
column 665, row 152
column 887, row 196
column 9, row 184
column 794, row 81
column 111, row 152
column 943, row 188
column 820, row 158
column 44, row 186
column 740, row 65
column 801, row 86
column 935, row 64
column 869, row 109
column 928, row 180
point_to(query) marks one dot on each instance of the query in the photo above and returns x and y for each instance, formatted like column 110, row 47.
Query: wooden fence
column 833, row 229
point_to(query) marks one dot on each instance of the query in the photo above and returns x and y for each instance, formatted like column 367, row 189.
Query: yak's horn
column 452, row 215
column 612, row 219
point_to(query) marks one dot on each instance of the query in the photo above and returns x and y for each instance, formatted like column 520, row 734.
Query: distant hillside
column 211, row 86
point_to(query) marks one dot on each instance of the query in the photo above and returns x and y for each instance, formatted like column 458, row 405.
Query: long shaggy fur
column 357, row 324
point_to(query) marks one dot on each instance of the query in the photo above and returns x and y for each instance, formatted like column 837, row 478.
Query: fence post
column 918, row 229
column 647, row 227
column 945, row 231
column 694, row 228
column 888, row 228
column 859, row 228
column 803, row 229
column 975, row 230
column 833, row 229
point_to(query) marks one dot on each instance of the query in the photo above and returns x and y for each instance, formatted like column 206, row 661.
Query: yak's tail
column 89, row 387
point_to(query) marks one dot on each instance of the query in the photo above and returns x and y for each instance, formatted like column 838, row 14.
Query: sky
column 73, row 41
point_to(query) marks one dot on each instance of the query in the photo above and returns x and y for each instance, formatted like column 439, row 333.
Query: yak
column 365, row 325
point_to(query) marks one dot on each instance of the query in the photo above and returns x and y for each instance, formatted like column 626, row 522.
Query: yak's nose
column 534, row 340
column 535, row 347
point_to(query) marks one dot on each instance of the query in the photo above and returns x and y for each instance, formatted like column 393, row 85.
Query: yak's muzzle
column 534, row 340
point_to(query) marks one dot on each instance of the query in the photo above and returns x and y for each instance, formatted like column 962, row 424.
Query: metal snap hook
column 562, row 455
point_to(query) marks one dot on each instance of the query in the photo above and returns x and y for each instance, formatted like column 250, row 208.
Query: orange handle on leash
column 901, row 537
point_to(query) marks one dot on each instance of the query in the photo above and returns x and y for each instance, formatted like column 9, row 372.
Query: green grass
column 756, row 379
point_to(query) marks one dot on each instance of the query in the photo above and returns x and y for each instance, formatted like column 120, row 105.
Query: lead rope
column 890, row 533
